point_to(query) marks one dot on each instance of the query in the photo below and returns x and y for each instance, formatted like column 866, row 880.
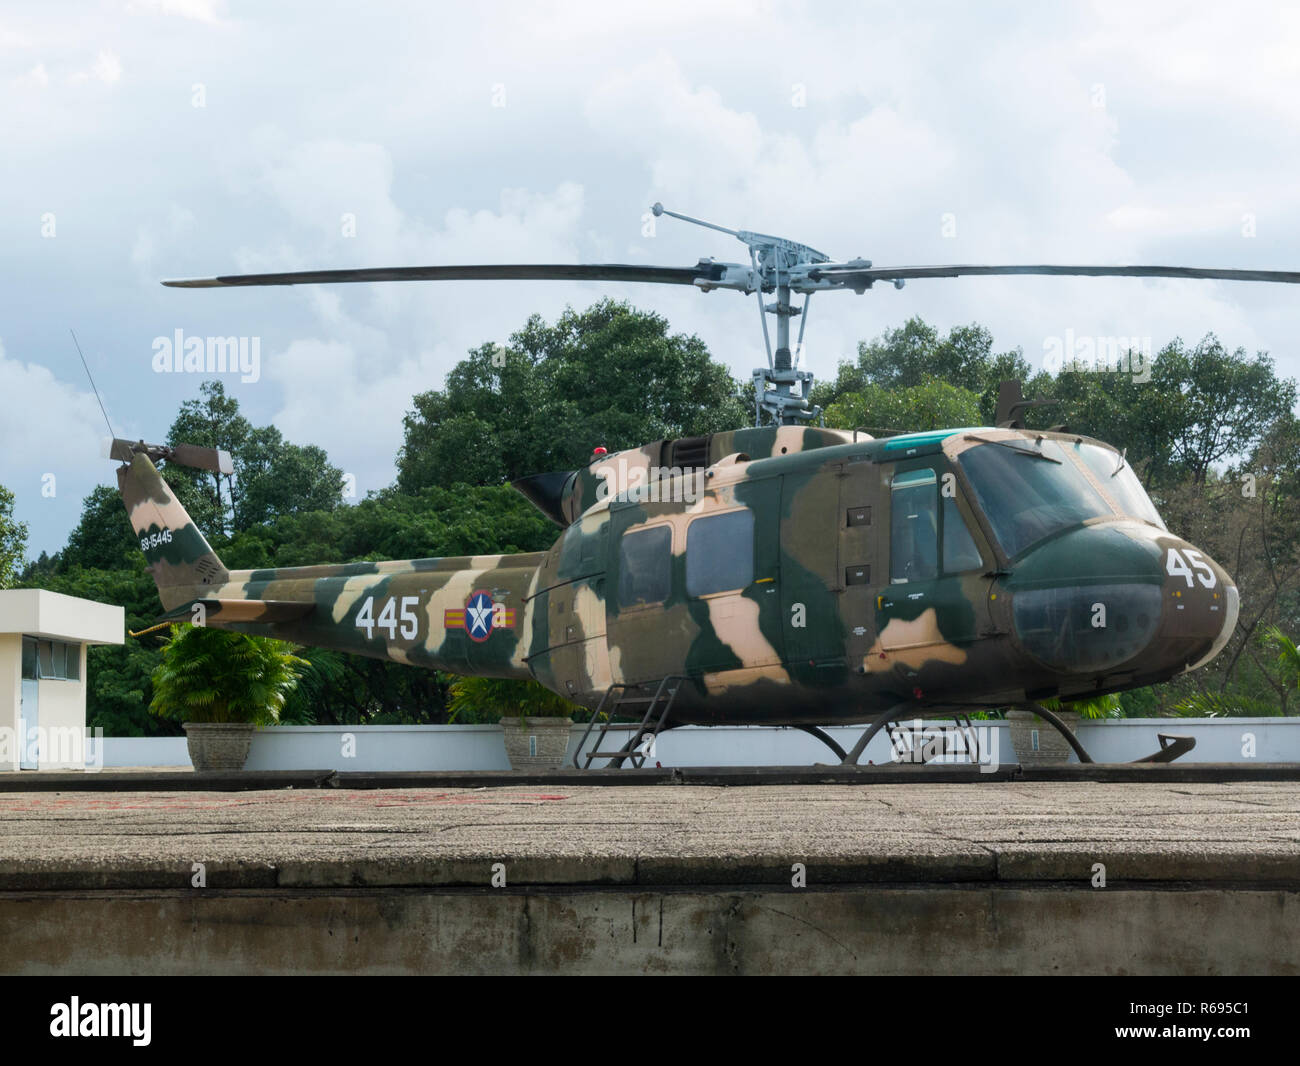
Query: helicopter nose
column 1201, row 604
column 1122, row 597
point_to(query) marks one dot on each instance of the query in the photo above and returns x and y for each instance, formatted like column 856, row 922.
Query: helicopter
column 780, row 574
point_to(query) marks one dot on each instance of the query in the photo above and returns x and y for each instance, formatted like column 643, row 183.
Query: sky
column 147, row 139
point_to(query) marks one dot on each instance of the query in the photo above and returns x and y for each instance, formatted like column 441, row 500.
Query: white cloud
column 199, row 10
column 913, row 113
column 36, row 78
column 107, row 68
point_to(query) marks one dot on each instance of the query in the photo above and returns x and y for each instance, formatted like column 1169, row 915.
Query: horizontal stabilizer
column 213, row 459
column 241, row 610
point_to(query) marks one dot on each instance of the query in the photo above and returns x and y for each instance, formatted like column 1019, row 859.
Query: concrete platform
column 184, row 778
column 988, row 877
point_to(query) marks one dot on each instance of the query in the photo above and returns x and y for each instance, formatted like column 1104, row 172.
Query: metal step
column 657, row 707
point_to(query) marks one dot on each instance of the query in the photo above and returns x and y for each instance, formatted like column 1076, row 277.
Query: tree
column 275, row 477
column 933, row 404
column 212, row 421
column 103, row 538
column 271, row 476
column 909, row 356
column 1224, row 403
column 609, row 375
column 13, row 540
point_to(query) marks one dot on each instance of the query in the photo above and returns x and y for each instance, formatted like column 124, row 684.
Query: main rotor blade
column 493, row 272
column 850, row 275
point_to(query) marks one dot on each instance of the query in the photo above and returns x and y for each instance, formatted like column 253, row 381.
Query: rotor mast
column 781, row 389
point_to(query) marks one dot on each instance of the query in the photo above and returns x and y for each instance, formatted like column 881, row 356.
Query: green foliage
column 914, row 354
column 1094, row 707
column 609, row 375
column 1225, row 705
column 1142, row 702
column 322, row 671
column 275, row 477
column 213, row 675
column 1222, row 402
column 488, row 699
column 932, row 404
column 103, row 538
column 271, row 476
column 460, row 520
column 13, row 540
column 1288, row 655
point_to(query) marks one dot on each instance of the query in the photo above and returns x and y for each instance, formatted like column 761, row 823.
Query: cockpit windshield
column 1113, row 471
column 1028, row 491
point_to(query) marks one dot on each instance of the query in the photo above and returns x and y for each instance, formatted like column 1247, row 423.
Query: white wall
column 1217, row 739
column 481, row 747
column 11, row 698
column 139, row 751
column 378, row 747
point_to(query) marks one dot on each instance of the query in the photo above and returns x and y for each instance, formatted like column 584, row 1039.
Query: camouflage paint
column 819, row 634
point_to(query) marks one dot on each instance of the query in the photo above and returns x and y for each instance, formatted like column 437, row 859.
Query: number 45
column 388, row 617
column 1177, row 566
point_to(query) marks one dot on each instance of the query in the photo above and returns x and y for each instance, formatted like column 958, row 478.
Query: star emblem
column 478, row 613
column 481, row 616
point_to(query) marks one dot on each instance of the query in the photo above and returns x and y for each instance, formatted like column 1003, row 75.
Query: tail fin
column 179, row 556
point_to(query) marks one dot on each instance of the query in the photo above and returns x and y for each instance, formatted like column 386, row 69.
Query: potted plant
column 536, row 721
column 1050, row 748
column 221, row 686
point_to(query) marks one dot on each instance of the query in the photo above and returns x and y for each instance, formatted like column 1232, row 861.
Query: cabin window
column 720, row 553
column 914, row 527
column 645, row 566
column 959, row 551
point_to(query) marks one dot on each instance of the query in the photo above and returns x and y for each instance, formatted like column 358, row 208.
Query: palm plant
column 214, row 675
column 1094, row 707
column 1288, row 656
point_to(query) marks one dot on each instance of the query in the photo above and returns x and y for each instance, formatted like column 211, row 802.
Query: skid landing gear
column 1171, row 745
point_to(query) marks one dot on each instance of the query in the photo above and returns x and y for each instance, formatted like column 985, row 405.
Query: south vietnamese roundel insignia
column 480, row 616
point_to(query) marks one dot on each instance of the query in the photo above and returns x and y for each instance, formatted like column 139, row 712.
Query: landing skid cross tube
column 1171, row 746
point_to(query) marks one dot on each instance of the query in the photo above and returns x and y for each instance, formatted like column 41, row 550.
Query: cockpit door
column 935, row 601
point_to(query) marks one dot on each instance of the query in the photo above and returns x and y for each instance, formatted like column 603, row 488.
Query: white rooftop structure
column 43, row 641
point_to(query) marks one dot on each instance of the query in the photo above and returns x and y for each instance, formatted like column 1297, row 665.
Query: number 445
column 390, row 614
column 1177, row 566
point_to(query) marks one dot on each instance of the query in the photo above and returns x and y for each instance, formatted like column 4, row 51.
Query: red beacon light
column 599, row 450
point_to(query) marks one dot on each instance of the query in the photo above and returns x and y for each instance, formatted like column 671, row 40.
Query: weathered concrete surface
column 978, row 878
column 881, row 929
column 184, row 779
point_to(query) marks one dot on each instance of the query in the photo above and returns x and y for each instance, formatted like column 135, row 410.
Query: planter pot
column 218, row 745
column 536, row 743
column 1037, row 743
